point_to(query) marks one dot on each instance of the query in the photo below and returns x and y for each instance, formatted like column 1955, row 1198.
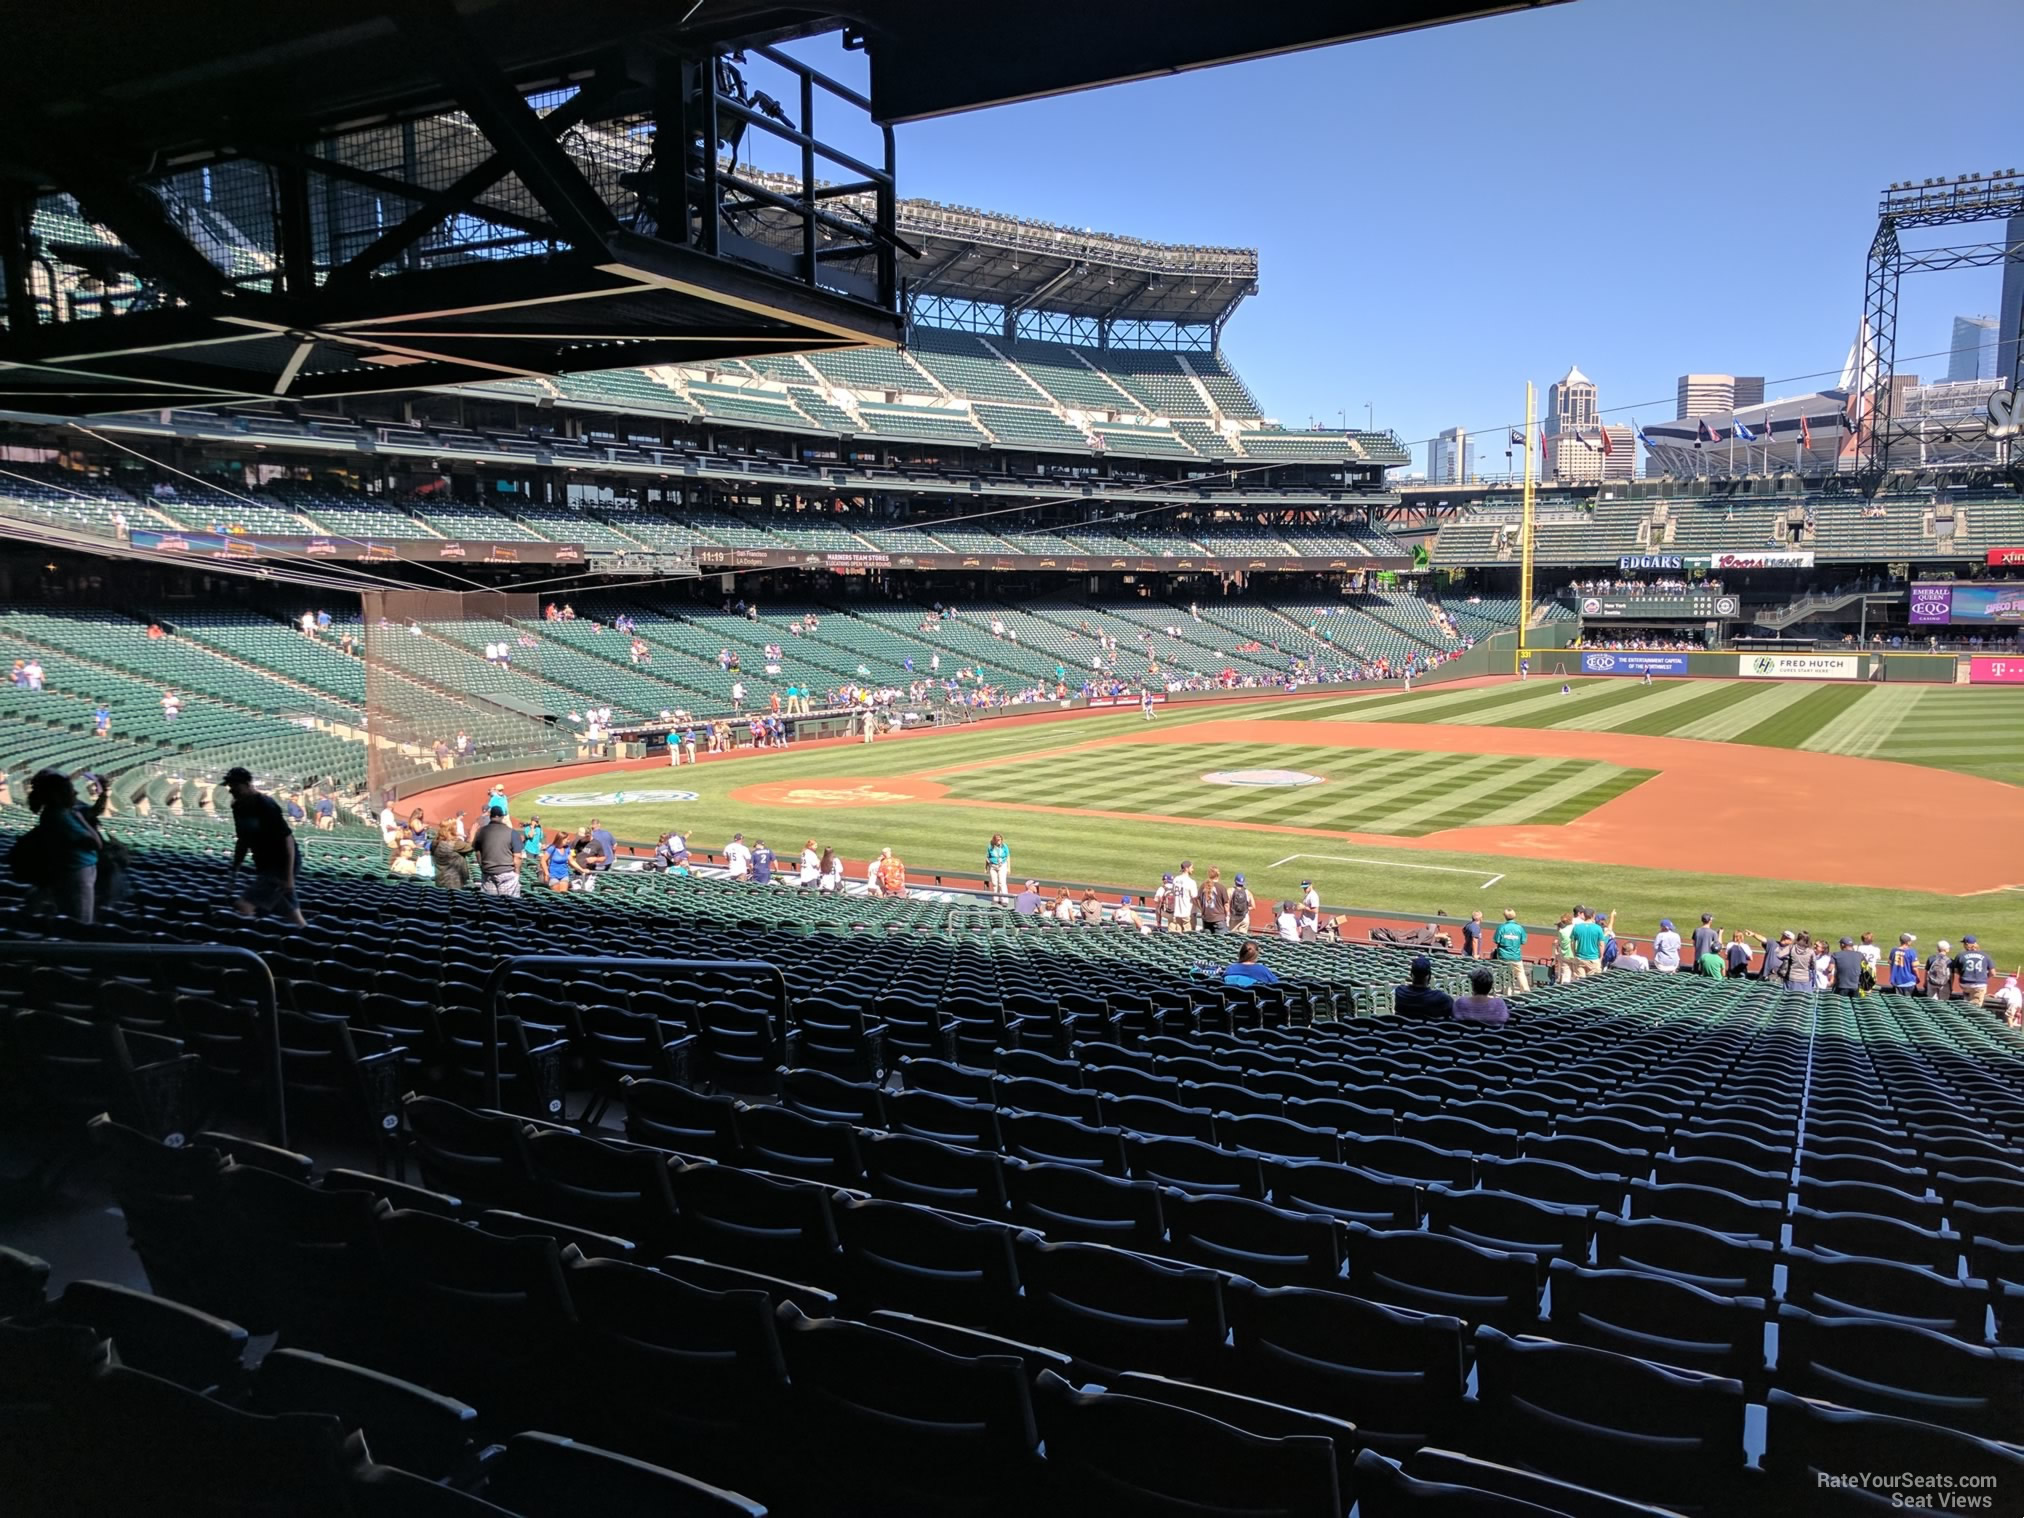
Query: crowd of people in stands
column 1662, row 586
column 1677, row 641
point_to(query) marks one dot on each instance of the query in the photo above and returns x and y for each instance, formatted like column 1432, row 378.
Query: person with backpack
column 1240, row 906
column 59, row 856
column 1940, row 972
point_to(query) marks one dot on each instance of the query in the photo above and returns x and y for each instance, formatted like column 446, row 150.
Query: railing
column 496, row 982
column 153, row 956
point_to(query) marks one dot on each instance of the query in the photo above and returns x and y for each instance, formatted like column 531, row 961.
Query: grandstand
column 649, row 1186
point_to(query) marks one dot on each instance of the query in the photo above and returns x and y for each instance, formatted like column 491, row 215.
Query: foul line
column 1391, row 864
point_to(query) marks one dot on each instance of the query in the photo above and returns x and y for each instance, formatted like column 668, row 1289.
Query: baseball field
column 1829, row 807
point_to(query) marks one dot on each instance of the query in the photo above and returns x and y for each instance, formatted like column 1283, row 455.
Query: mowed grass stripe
column 1051, row 777
column 1458, row 796
column 1576, row 779
column 1544, row 702
column 1669, row 722
column 1864, row 727
column 1606, row 703
column 1351, row 772
column 1743, row 707
column 1421, row 706
column 1804, row 717
column 1646, row 702
column 1606, row 788
column 1348, row 808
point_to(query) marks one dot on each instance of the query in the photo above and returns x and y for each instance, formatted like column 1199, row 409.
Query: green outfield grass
column 1366, row 791
column 1979, row 731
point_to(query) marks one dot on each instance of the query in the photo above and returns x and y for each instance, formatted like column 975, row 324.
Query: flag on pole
column 1542, row 450
column 1607, row 450
column 1644, row 437
column 1743, row 433
column 1805, row 434
column 1517, row 438
column 1703, row 433
column 1582, row 439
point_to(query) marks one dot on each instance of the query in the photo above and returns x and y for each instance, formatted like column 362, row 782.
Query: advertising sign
column 1605, row 663
column 1630, row 563
column 1989, row 603
column 2004, row 671
column 1801, row 666
column 1776, row 559
column 2000, row 556
column 1932, row 605
column 240, row 545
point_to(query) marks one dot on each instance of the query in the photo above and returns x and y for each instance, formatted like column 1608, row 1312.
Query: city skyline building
column 1451, row 457
column 1972, row 353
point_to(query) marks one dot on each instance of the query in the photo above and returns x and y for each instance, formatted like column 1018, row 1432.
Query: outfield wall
column 1871, row 667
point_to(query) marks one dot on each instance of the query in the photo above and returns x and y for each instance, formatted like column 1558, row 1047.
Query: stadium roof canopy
column 247, row 200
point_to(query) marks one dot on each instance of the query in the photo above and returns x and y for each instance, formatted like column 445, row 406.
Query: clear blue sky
column 1640, row 187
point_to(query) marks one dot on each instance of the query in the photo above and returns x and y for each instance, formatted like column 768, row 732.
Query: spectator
column 58, row 857
column 1872, row 957
column 2009, row 1002
column 1249, row 970
column 997, row 868
column 1739, row 955
column 892, row 874
column 1187, row 896
column 326, row 813
column 1479, row 1006
column 587, row 860
column 555, row 863
column 497, row 850
column 1472, row 936
column 1127, row 916
column 1628, row 958
column 1971, row 968
column 534, row 848
column 1027, row 902
column 1420, row 1000
column 1563, row 949
column 1215, row 902
column 1707, row 939
column 1286, row 923
column 1240, row 906
column 1508, row 948
column 1585, row 936
column 1709, row 961
column 1940, row 972
column 1799, row 956
column 1666, row 948
column 831, row 878
column 452, row 873
column 1904, row 964
column 264, row 833
column 738, row 858
column 607, row 846
column 811, row 866
column 762, row 863
column 1848, row 968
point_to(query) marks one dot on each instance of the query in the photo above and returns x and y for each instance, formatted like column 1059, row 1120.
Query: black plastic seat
column 1510, row 1223
column 1156, row 1117
column 618, row 1189
column 1432, row 1273
column 543, row 1476
column 1279, row 1138
column 946, row 1119
column 1845, row 1286
column 900, row 1167
column 1903, row 1371
column 1193, row 1166
column 756, row 1222
column 481, row 1156
column 1260, row 1243
column 885, row 1423
column 1342, row 1191
column 785, row 1142
column 1027, row 1093
column 679, row 1119
column 1112, row 1309
column 1069, row 1202
column 1624, row 1425
column 1119, row 1456
column 1818, row 1457
column 831, row 1098
column 946, row 1079
column 676, row 1371
column 1878, row 1238
column 1041, row 1138
column 404, row 1424
column 1395, row 1373
column 163, row 1338
column 1716, row 1262
column 1651, row 1317
column 916, row 1259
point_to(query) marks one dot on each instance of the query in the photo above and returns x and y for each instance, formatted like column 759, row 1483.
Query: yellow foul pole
column 1525, row 529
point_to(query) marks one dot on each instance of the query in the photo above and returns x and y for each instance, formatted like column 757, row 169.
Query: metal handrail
column 56, row 951
column 496, row 981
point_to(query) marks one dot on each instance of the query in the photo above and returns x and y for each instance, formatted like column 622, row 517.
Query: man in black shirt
column 264, row 833
column 498, row 849
column 1848, row 968
column 1420, row 1001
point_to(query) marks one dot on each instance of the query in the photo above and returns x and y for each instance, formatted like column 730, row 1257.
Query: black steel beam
column 508, row 122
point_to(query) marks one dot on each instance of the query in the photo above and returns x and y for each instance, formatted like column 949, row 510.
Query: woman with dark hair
column 830, row 876
column 59, row 855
